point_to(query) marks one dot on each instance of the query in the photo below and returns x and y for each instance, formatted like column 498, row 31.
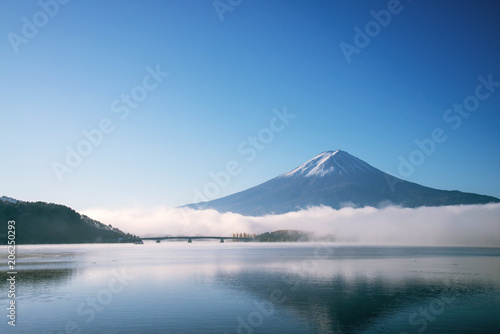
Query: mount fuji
column 336, row 179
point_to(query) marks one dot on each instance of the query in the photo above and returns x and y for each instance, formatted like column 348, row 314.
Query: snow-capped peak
column 338, row 161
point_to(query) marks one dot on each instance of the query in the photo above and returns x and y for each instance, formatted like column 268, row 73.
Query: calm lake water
column 208, row 287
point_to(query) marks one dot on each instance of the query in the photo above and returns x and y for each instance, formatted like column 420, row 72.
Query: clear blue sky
column 225, row 78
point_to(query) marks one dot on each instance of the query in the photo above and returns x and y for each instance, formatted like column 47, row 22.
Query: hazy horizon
column 126, row 112
column 461, row 225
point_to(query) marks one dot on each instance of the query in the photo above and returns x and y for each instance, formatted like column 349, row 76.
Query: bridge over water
column 190, row 239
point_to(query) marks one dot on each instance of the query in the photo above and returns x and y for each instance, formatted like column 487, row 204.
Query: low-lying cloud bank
column 464, row 225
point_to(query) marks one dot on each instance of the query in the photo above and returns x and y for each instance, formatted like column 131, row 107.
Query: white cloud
column 465, row 225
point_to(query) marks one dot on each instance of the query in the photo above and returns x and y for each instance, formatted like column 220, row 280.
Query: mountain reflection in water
column 208, row 287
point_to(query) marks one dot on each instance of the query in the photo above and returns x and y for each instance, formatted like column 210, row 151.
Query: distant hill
column 284, row 236
column 336, row 179
column 47, row 223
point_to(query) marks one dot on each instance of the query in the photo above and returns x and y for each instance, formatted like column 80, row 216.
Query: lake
column 238, row 287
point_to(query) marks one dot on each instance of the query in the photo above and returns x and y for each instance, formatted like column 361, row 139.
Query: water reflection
column 257, row 288
column 38, row 285
column 338, row 297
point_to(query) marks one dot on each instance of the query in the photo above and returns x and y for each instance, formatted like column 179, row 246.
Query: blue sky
column 227, row 81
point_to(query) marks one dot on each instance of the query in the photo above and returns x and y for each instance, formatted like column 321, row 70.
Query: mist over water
column 239, row 287
column 463, row 225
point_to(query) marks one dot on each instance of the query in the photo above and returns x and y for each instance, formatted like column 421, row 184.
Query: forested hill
column 46, row 223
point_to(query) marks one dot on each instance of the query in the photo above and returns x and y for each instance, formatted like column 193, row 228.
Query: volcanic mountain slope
column 336, row 179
